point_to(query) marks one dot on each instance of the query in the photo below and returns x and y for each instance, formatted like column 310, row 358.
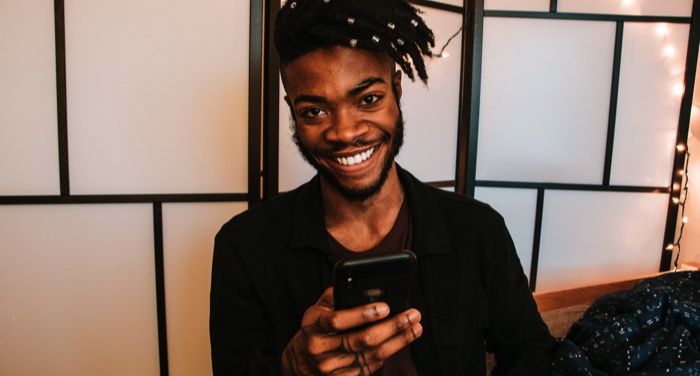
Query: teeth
column 355, row 159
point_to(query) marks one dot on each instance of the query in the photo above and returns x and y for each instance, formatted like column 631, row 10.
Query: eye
column 370, row 99
column 312, row 112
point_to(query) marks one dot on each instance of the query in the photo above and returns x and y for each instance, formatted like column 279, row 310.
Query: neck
column 374, row 215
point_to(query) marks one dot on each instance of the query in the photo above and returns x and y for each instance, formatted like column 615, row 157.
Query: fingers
column 326, row 298
column 368, row 361
column 342, row 320
column 379, row 333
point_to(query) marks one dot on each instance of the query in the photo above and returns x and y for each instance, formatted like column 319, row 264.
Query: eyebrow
column 351, row 93
column 364, row 85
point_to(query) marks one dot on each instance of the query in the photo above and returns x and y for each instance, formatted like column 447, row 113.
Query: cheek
column 309, row 136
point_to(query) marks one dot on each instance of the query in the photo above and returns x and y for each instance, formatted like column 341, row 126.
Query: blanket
column 652, row 329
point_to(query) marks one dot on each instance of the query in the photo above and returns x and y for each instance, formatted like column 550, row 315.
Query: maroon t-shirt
column 398, row 239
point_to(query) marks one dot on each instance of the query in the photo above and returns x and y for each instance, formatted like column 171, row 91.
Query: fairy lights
column 681, row 201
column 678, row 89
column 444, row 54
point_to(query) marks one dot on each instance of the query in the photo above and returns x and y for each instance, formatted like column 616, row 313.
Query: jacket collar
column 429, row 235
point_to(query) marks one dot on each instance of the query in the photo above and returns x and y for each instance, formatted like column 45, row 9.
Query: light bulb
column 680, row 148
column 669, row 247
column 678, row 89
column 669, row 51
column 662, row 29
column 676, row 186
column 685, row 219
column 676, row 200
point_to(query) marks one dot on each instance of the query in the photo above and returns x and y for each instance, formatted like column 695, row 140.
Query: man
column 271, row 306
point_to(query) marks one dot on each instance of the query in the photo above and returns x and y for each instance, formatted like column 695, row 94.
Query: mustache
column 336, row 147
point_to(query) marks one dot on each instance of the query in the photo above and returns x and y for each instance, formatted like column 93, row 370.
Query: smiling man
column 272, row 309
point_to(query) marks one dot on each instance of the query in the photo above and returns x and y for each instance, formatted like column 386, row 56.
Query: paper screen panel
column 293, row 170
column 431, row 114
column 77, row 291
column 526, row 5
column 157, row 96
column 680, row 8
column 518, row 207
column 595, row 237
column 28, row 117
column 545, row 95
column 648, row 106
column 188, row 241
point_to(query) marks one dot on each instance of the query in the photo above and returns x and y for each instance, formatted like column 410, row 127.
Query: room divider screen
column 129, row 134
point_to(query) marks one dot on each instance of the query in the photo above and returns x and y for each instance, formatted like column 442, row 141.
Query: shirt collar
column 429, row 234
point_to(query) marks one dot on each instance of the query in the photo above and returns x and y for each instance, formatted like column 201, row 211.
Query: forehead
column 339, row 67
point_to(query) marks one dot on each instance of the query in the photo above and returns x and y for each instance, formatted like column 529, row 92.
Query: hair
column 392, row 27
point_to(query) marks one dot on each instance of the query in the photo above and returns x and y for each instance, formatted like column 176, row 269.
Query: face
column 348, row 123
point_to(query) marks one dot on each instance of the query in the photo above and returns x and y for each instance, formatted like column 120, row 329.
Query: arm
column 236, row 325
column 517, row 334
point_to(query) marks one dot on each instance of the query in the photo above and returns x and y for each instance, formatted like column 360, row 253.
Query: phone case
column 384, row 278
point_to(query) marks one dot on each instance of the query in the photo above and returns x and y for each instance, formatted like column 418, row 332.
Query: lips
column 354, row 159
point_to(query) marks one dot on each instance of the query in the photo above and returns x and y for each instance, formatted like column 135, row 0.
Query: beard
column 350, row 193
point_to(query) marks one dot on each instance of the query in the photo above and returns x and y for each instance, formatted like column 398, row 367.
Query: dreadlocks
column 393, row 27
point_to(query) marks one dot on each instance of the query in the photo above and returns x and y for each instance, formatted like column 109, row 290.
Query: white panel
column 77, row 292
column 431, row 113
column 544, row 100
column 188, row 240
column 28, row 118
column 651, row 87
column 596, row 237
column 527, row 5
column 434, row 131
column 293, row 170
column 157, row 96
column 681, row 8
column 518, row 207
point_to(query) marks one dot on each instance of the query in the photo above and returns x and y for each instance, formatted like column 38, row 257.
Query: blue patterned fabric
column 652, row 329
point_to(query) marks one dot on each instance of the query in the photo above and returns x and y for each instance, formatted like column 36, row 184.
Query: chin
column 361, row 193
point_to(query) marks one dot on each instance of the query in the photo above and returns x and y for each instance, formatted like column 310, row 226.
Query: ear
column 396, row 83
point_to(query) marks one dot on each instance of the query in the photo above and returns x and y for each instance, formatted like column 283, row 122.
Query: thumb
column 326, row 299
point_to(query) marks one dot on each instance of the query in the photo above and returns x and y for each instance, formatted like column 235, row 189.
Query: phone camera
column 349, row 281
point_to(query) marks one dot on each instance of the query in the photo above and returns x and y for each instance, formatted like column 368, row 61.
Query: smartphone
column 386, row 278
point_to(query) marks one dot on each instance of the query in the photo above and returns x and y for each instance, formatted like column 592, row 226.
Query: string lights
column 444, row 54
column 681, row 200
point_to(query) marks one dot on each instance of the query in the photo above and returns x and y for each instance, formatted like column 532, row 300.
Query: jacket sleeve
column 517, row 335
column 237, row 327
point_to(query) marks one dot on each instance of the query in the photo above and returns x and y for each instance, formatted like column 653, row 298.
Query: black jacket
column 272, row 262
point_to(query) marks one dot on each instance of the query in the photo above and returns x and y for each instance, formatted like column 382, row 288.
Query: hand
column 332, row 343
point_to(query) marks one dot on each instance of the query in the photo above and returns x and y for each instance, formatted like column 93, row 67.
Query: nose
column 347, row 127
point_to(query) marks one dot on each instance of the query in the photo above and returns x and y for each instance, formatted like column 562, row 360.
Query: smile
column 355, row 159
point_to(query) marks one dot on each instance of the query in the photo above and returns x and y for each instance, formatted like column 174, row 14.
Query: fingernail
column 413, row 316
column 376, row 311
column 382, row 309
column 417, row 330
